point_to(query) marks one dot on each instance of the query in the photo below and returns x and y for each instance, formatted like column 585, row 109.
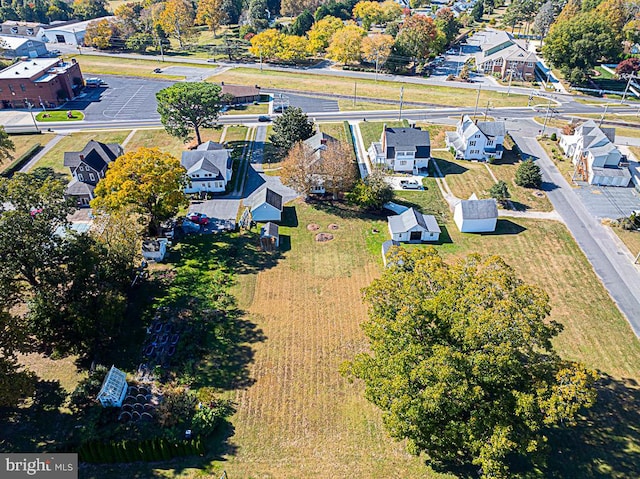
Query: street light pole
column 510, row 79
column 475, row 110
column 546, row 117
column 33, row 118
column 401, row 101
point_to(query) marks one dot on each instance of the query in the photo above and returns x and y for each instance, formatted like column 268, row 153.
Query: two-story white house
column 477, row 140
column 596, row 158
column 208, row 168
column 402, row 149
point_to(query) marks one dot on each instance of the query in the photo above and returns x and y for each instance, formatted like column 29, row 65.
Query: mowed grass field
column 301, row 419
column 100, row 65
column 366, row 89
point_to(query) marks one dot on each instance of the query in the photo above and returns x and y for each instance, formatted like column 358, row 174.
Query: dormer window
column 81, row 168
column 14, row 30
column 29, row 31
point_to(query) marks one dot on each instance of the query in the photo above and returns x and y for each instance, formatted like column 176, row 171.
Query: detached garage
column 267, row 206
column 476, row 216
column 413, row 227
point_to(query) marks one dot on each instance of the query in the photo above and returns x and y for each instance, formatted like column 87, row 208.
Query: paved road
column 616, row 271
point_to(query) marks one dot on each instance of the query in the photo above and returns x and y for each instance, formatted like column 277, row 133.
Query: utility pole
column 624, row 95
column 29, row 105
column 377, row 58
column 603, row 115
column 510, row 79
column 401, row 101
column 475, row 110
column 355, row 92
column 260, row 50
column 546, row 117
column 486, row 110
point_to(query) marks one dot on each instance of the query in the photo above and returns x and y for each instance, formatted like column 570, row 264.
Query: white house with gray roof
column 596, row 158
column 318, row 144
column 413, row 227
column 208, row 168
column 476, row 216
column 402, row 149
column 477, row 140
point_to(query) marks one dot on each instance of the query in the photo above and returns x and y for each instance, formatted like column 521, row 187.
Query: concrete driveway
column 222, row 212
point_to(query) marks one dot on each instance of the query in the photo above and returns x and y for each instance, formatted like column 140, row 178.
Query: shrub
column 554, row 137
column 500, row 191
column 528, row 175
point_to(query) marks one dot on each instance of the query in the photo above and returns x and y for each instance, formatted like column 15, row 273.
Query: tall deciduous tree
column 148, row 180
column 6, row 145
column 291, row 127
column 417, row 37
column 88, row 9
column 338, row 168
column 189, row 106
column 372, row 192
column 544, row 18
column 462, row 363
column 447, row 23
column 100, row 33
column 377, row 48
column 345, row 44
column 299, row 169
column 177, row 19
column 211, row 14
column 321, row 33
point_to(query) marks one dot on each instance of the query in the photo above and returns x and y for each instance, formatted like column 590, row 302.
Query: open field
column 76, row 142
column 436, row 133
column 366, row 88
column 307, row 305
column 235, row 133
column 23, row 143
column 335, row 130
column 464, row 177
column 99, row 65
column 156, row 138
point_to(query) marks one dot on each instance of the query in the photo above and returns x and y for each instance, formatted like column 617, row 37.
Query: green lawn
column 236, row 133
column 436, row 133
column 372, row 130
column 59, row 115
column 23, row 143
column 76, row 142
column 336, row 130
column 564, row 164
column 366, row 89
column 259, row 109
column 156, row 139
column 464, row 177
column 97, row 65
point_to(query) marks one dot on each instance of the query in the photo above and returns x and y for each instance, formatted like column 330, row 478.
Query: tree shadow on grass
column 450, row 168
column 606, row 443
column 344, row 210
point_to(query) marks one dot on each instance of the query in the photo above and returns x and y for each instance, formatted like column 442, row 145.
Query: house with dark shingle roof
column 402, row 149
column 477, row 140
column 208, row 168
column 88, row 167
column 267, row 206
column 413, row 227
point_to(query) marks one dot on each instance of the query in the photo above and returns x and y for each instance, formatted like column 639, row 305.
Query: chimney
column 81, row 157
column 323, row 141
column 221, row 83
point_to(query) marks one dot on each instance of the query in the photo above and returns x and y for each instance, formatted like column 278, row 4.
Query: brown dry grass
column 631, row 239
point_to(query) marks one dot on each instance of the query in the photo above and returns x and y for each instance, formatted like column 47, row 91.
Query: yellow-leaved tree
column 211, row 14
column 321, row 33
column 148, row 179
column 177, row 19
column 345, row 44
column 267, row 44
column 376, row 48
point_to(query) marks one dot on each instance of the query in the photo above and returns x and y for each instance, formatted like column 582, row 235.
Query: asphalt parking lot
column 120, row 99
column 609, row 201
column 190, row 73
column 308, row 104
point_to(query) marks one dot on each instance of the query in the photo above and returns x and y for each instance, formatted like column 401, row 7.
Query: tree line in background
column 46, row 11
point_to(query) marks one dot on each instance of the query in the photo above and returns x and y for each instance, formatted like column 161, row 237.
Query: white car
column 410, row 185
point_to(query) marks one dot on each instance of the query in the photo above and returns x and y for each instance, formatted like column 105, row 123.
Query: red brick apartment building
column 48, row 81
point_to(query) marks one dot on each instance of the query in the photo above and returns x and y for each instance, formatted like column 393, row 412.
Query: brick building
column 48, row 81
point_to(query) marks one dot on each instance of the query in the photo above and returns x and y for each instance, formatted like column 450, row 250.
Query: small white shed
column 267, row 206
column 114, row 388
column 476, row 216
column 413, row 227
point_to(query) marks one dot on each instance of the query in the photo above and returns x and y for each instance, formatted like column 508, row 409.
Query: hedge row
column 21, row 160
column 158, row 449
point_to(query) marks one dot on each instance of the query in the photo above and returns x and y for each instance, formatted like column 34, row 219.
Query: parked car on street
column 264, row 118
column 198, row 218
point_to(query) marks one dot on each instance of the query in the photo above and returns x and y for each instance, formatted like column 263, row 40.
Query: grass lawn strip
column 23, row 143
column 564, row 164
column 372, row 130
column 59, row 115
column 76, row 142
column 631, row 239
column 464, row 177
column 387, row 90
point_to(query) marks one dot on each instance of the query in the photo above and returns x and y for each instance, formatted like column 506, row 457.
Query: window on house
column 92, row 177
column 402, row 163
column 14, row 30
column 208, row 185
column 472, row 143
column 29, row 31
column 81, row 168
column 529, row 64
column 489, row 142
column 29, row 43
column 80, row 177
column 22, row 87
